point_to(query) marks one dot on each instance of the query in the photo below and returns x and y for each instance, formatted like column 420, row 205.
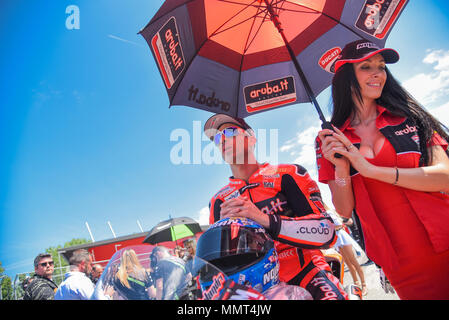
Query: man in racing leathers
column 283, row 199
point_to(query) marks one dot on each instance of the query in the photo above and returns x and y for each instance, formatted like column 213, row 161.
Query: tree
column 5, row 285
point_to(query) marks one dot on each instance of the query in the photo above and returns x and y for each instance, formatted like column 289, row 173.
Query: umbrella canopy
column 172, row 230
column 241, row 57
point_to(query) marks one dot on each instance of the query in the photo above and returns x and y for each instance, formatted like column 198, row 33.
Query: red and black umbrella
column 241, row 57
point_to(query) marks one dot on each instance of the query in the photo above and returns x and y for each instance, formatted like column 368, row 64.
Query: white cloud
column 301, row 150
column 441, row 113
column 301, row 147
column 203, row 216
column 428, row 88
column 124, row 40
column 441, row 57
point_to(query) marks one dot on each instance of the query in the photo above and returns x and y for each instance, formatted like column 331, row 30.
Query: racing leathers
column 298, row 224
column 172, row 271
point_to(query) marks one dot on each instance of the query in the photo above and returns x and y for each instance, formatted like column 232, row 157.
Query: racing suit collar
column 255, row 174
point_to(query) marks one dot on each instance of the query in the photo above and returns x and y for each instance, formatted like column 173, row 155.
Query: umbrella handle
column 328, row 125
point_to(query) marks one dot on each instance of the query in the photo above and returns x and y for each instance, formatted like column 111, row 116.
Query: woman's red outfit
column 406, row 231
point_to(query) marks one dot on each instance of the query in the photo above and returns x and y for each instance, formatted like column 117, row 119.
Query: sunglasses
column 44, row 264
column 228, row 133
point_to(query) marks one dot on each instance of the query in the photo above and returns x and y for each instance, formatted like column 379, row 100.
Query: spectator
column 169, row 273
column 344, row 246
column 179, row 252
column 97, row 270
column 356, row 232
column 190, row 246
column 353, row 223
column 76, row 284
column 26, row 282
column 131, row 279
column 41, row 287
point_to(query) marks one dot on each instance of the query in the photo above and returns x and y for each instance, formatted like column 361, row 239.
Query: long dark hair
column 394, row 98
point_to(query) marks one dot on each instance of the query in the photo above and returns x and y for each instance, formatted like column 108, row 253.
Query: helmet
column 153, row 255
column 241, row 249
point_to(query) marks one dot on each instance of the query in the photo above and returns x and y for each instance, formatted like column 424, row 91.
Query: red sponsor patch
column 269, row 94
column 328, row 59
column 167, row 49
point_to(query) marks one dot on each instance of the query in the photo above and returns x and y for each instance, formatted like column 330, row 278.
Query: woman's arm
column 341, row 186
column 342, row 198
column 432, row 178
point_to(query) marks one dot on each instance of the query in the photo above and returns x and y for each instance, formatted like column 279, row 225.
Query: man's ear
column 252, row 140
column 251, row 137
column 250, row 133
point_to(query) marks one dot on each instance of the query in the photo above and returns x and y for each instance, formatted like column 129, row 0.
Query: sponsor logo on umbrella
column 327, row 60
column 269, row 94
column 167, row 49
column 210, row 101
column 378, row 16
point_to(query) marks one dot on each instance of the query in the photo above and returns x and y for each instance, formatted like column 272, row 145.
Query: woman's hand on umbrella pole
column 350, row 152
column 329, row 143
column 242, row 207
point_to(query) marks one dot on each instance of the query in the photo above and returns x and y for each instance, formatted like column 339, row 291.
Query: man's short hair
column 79, row 256
column 153, row 257
column 39, row 257
column 160, row 249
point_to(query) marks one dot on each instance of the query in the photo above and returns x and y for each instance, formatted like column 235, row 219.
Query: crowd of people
column 165, row 277
column 387, row 167
column 168, row 273
column 78, row 283
column 161, row 280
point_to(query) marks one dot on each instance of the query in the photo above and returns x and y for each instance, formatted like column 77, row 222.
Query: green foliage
column 76, row 242
column 5, row 285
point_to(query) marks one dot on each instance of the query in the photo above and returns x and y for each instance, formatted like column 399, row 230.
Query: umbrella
column 241, row 57
column 172, row 230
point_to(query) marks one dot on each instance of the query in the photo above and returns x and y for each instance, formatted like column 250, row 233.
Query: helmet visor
column 232, row 240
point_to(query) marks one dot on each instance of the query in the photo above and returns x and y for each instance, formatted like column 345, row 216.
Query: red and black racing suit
column 298, row 224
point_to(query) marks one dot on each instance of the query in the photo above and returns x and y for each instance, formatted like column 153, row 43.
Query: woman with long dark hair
column 388, row 158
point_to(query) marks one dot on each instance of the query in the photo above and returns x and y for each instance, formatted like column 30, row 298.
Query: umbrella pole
column 274, row 17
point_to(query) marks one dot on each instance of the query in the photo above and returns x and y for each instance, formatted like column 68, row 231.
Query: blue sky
column 85, row 125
